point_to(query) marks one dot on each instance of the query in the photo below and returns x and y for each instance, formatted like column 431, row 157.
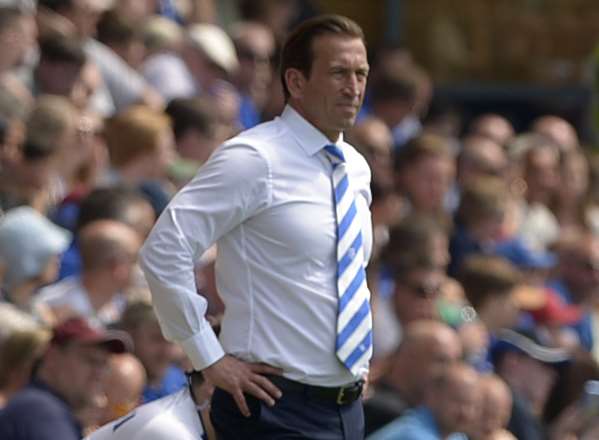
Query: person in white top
column 270, row 198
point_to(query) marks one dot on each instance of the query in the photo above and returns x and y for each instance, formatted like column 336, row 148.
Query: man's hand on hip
column 238, row 377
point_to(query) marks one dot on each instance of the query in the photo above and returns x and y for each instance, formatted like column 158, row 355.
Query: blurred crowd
column 485, row 270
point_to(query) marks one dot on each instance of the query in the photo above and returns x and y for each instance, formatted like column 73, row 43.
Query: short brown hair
column 134, row 133
column 425, row 145
column 483, row 276
column 482, row 199
column 297, row 51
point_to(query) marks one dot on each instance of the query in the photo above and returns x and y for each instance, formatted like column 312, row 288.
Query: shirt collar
column 307, row 136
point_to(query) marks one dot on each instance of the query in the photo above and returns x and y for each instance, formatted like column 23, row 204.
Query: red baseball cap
column 81, row 331
column 556, row 311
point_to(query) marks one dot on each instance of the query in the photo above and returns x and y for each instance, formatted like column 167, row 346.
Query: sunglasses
column 425, row 290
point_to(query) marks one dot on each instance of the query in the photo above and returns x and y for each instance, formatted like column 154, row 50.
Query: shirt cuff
column 203, row 348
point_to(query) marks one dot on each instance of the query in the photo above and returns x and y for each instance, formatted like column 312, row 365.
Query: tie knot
column 334, row 154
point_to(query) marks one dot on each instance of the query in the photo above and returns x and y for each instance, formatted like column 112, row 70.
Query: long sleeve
column 232, row 186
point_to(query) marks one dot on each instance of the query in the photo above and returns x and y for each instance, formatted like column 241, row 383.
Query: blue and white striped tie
column 354, row 320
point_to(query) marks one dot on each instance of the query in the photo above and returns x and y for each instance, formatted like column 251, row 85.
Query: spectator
column 155, row 353
column 141, row 148
column 424, row 173
column 30, row 247
column 255, row 46
column 480, row 220
column 495, row 411
column 493, row 126
column 22, row 342
column 558, row 130
column 118, row 203
column 529, row 369
column 451, row 406
column 69, row 374
column 427, row 348
column 60, row 66
column 568, row 204
column 123, row 386
column 121, row 35
column 108, row 253
column 480, row 157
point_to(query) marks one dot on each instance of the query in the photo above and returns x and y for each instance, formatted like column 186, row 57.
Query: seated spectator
column 493, row 126
column 123, row 386
column 427, row 348
column 451, row 405
column 60, row 66
column 155, row 353
column 194, row 125
column 69, row 375
column 118, row 203
column 22, row 342
column 108, row 253
column 530, row 369
column 495, row 410
column 255, row 46
column 141, row 148
column 424, row 173
column 558, row 130
column 480, row 220
column 30, row 248
column 120, row 34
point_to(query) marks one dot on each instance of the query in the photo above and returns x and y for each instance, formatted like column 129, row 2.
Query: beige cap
column 216, row 44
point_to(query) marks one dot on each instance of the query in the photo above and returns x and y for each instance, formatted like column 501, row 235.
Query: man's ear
column 295, row 81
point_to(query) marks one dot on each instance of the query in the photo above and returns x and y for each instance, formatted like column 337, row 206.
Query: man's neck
column 100, row 290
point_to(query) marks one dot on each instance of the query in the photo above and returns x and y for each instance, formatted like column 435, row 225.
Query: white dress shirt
column 266, row 198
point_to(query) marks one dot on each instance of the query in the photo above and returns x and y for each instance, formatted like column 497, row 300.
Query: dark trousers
column 294, row 416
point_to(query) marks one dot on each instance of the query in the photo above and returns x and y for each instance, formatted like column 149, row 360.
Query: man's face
column 331, row 96
column 154, row 352
column 428, row 181
column 82, row 370
column 415, row 297
column 457, row 407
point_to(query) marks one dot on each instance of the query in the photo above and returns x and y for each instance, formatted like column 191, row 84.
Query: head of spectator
column 493, row 126
column 427, row 348
column 393, row 95
column 22, row 342
column 60, row 65
column 119, row 203
column 527, row 365
column 454, row 399
column 374, row 140
column 82, row 15
column 70, row 374
column 255, row 46
column 418, row 284
column 55, row 126
column 210, row 55
column 424, row 171
column 541, row 160
column 417, row 234
column 578, row 266
column 161, row 34
column 574, row 184
column 123, row 386
column 140, row 144
column 194, row 126
column 558, row 130
column 122, row 36
column 490, row 284
column 480, row 157
column 30, row 246
column 13, row 112
column 155, row 353
column 496, row 407
column 15, row 38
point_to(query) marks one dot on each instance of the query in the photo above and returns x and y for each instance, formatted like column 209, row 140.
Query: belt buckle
column 340, row 396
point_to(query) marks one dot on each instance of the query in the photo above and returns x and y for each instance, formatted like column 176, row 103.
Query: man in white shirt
column 287, row 203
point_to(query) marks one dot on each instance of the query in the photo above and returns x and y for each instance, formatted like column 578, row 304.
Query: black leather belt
column 337, row 395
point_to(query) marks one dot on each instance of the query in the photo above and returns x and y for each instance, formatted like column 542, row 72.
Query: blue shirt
column 38, row 413
column 174, row 379
column 418, row 424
